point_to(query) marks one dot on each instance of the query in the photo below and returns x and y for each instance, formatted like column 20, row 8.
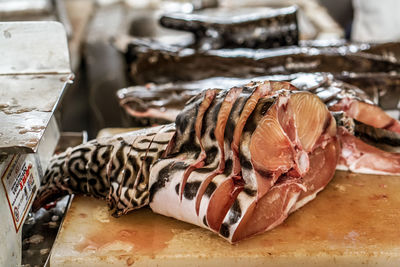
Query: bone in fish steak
column 236, row 162
column 369, row 137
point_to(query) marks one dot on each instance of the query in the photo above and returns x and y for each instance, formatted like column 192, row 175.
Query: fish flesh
column 113, row 168
column 261, row 160
column 370, row 143
column 367, row 149
column 236, row 162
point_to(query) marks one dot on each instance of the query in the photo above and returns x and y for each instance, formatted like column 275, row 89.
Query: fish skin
column 163, row 154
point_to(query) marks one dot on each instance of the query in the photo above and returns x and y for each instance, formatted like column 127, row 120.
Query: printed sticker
column 18, row 179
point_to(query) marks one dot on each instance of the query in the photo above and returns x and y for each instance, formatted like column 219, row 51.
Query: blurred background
column 136, row 62
column 99, row 32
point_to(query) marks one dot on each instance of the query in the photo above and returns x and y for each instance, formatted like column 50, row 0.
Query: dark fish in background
column 357, row 104
column 216, row 28
column 158, row 63
column 382, row 88
column 390, row 51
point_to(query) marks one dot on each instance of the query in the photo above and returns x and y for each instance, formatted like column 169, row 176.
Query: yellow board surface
column 355, row 221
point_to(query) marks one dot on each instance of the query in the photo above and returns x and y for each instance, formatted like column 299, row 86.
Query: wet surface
column 26, row 105
column 39, row 232
column 121, row 236
column 354, row 220
column 41, row 228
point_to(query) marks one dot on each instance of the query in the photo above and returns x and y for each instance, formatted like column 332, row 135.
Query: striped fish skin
column 226, row 201
column 213, row 166
column 380, row 90
column 206, row 169
column 233, row 30
column 115, row 169
column 367, row 149
column 368, row 135
column 383, row 139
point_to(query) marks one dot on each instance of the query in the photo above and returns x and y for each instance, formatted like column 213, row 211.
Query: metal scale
column 34, row 72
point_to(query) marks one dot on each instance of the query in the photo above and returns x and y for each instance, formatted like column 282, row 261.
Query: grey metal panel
column 34, row 71
column 39, row 47
column 26, row 105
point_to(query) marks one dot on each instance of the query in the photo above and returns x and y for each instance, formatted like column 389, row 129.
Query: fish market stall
column 199, row 133
column 327, row 232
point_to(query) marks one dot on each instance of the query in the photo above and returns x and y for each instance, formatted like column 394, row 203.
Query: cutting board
column 355, row 221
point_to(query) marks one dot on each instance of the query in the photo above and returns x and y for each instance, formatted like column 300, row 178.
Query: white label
column 18, row 179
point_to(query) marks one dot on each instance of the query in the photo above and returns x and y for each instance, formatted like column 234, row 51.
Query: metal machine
column 34, row 72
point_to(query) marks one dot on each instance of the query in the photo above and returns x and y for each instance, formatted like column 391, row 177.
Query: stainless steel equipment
column 34, row 72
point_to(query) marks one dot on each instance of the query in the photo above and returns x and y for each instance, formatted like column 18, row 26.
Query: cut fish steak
column 260, row 163
column 369, row 137
column 236, row 161
column 367, row 149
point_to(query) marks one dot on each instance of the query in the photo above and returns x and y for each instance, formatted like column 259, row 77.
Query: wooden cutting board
column 354, row 221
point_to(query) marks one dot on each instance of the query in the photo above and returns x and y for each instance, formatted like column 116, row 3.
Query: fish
column 113, row 168
column 365, row 106
column 257, row 172
column 160, row 63
column 367, row 149
column 216, row 28
column 236, row 162
column 161, row 103
column 369, row 137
